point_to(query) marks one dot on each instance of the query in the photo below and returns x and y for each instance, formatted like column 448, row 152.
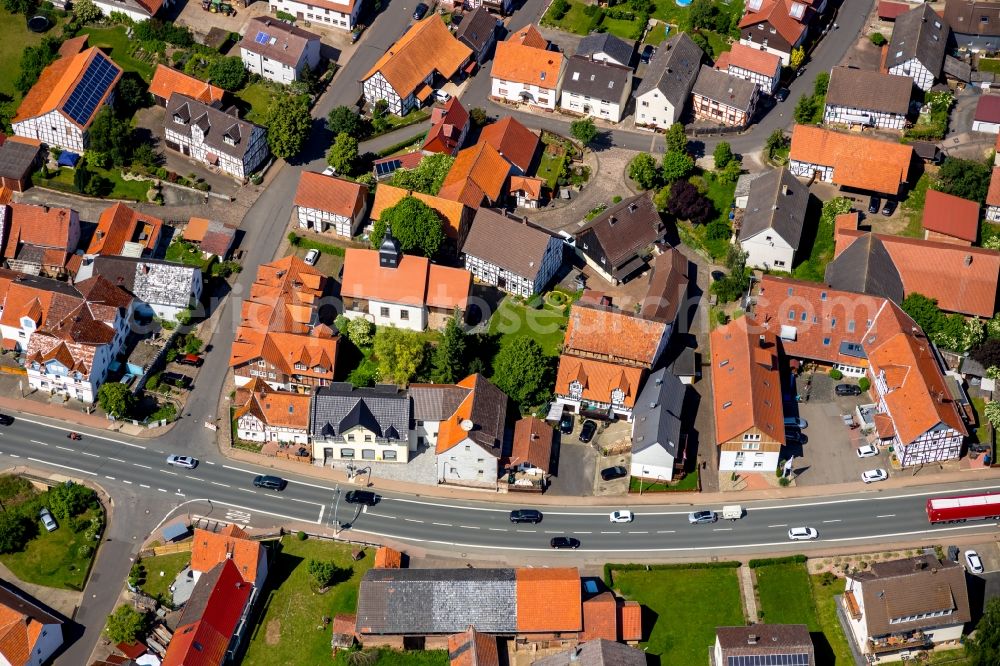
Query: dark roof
column 596, row 78
column 511, row 244
column 777, row 201
column 277, row 40
column 626, row 228
column 598, row 652
column 477, row 28
column 384, row 410
column 920, row 34
column 668, row 285
column 869, row 90
column 656, row 417
column 437, row 601
column 216, row 124
column 673, row 69
column 12, row 598
column 17, row 158
column 966, row 17
column 725, row 88
column 958, row 69
column 489, row 414
column 436, row 402
column 153, row 281
column 988, row 109
column 925, row 150
column 866, row 267
column 765, row 639
column 604, row 42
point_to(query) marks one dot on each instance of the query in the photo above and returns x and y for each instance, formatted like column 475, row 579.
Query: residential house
column 743, row 184
column 126, row 232
column 162, row 288
column 975, row 23
column 472, row 648
column 987, row 116
column 526, row 192
column 776, row 26
column 284, row 336
column 501, row 7
column 605, row 47
column 918, row 46
column 616, row 242
column 478, row 31
column 478, row 177
column 137, row 10
column 849, row 160
column 749, row 421
column 166, row 81
column 213, row 137
column 30, row 633
column 533, row 447
column 889, row 11
column 390, row 288
column 950, row 219
column 212, row 237
column 723, row 98
column 867, row 98
column 667, row 289
column 264, row 414
column 910, row 605
column 753, row 65
column 511, row 254
column 455, row 216
column 278, row 51
column 657, row 447
column 597, row 652
column 595, row 88
column 597, row 388
column 515, row 143
column 993, row 195
column 231, row 543
column 449, row 128
column 327, row 204
column 763, row 644
column 666, row 87
column 69, row 93
column 775, row 217
column 19, row 157
column 341, row 14
column 405, row 74
column 525, row 70
column 383, row 168
column 39, row 239
column 365, row 424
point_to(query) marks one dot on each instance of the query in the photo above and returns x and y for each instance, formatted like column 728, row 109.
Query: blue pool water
column 683, row 3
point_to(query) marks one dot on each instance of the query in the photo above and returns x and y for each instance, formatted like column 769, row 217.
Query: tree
column 228, row 73
column 992, row 413
column 343, row 120
column 687, row 203
column 731, row 173
column 583, row 130
column 878, row 39
column 702, row 14
column 115, row 399
column 776, row 140
column 112, row 137
column 924, row 311
column 723, row 155
column 797, row 57
column 448, row 361
column 343, row 154
column 360, row 331
column 478, row 116
column 414, row 224
column 427, row 177
column 288, row 125
column 85, row 11
column 734, row 285
column 399, row 354
column 15, row 530
column 20, row 6
column 131, row 95
column 125, row 624
column 987, row 354
column 822, row 84
column 676, row 166
column 520, row 370
column 644, row 171
column 323, row 572
column 677, row 140
column 967, row 179
column 805, row 109
column 70, row 500
column 33, row 60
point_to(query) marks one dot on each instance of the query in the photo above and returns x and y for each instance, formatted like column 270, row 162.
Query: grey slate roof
column 436, row 402
column 656, row 419
column 597, row 652
column 597, row 79
column 958, row 69
column 437, row 601
column 777, row 201
column 922, row 34
column 725, row 88
column 510, row 244
column 216, row 124
column 866, row 267
column 150, row 280
column 744, row 182
column 626, row 227
column 489, row 415
column 17, row 158
column 276, row 40
column 477, row 29
column 868, row 90
column 673, row 69
column 385, row 410
column 604, row 42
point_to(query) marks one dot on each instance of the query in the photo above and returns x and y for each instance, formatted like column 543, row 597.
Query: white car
column 182, row 461
column 623, row 516
column 974, row 562
column 867, row 451
column 312, row 256
column 441, row 96
column 873, row 475
column 802, row 533
column 329, row 171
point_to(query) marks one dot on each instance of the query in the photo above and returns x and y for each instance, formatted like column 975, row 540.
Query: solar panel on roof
column 800, row 659
column 91, row 89
column 385, row 168
column 262, row 38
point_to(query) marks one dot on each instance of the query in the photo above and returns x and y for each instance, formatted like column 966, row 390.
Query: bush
column 878, row 39
column 827, row 578
column 864, row 384
column 84, row 551
column 768, row 561
column 836, row 374
column 301, row 536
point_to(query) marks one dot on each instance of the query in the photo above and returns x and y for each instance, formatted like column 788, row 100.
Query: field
column 116, row 43
column 133, row 190
column 785, row 596
column 549, row 167
column 546, row 326
column 14, row 38
column 158, row 586
column 53, row 559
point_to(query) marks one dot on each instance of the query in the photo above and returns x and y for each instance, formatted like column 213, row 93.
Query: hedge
column 610, row 568
column 789, row 559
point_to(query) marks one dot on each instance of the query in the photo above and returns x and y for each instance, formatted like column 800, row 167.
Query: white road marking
column 832, row 521
column 75, row 469
column 161, row 490
column 67, row 430
column 143, row 485
column 468, row 527
column 527, row 531
column 610, row 532
column 414, row 520
column 247, row 490
column 14, row 455
column 167, row 471
column 438, row 524
column 209, row 462
column 142, row 466
column 322, row 510
column 128, row 482
column 109, row 477
column 666, row 531
column 497, row 529
column 722, row 529
column 781, row 525
column 301, row 501
column 92, row 455
column 240, row 469
column 887, row 515
column 631, row 532
column 216, row 483
column 35, row 441
column 179, row 494
column 116, row 459
column 582, row 532
column 553, row 531
column 64, row 448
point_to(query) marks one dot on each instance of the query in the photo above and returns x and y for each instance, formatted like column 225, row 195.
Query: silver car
column 48, row 520
column 802, row 533
column 186, row 462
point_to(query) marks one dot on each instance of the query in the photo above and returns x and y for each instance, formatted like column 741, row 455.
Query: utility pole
column 336, row 505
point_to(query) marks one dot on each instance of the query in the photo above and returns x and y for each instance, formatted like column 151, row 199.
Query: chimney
column 632, row 207
column 784, row 189
column 761, row 338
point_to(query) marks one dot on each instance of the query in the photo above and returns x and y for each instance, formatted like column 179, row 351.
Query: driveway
column 575, row 474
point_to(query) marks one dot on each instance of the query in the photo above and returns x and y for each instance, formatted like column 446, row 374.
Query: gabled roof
column 598, row 380
column 779, row 14
column 548, row 599
column 656, row 419
column 673, row 70
column 890, row 11
column 285, row 409
column 167, row 81
column 471, row 647
column 993, row 195
column 869, row 90
column 865, row 267
column 668, row 286
column 447, row 124
column 625, row 228
column 529, row 36
column 765, row 639
column 604, row 42
column 858, row 162
column 532, row 65
column 777, row 202
column 223, row 133
column 598, row 652
column 599, row 79
column 515, row 142
column 451, row 212
column 385, row 410
column 613, row 335
column 478, row 172
column 750, row 59
column 477, row 28
column 988, row 109
column 330, row 194
column 951, row 215
column 416, row 281
column 966, row 17
column 18, row 156
column 277, row 40
column 919, row 33
column 485, row 406
column 124, row 230
column 530, row 188
column 41, row 226
column 533, row 441
column 509, row 243
column 209, row 549
column 150, row 280
column 427, row 47
column 724, row 88
column 21, row 625
column 212, row 236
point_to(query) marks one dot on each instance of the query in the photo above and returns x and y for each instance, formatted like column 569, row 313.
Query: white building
column 525, row 71
column 663, row 94
column 331, row 13
column 657, row 446
column 777, row 26
column 137, row 10
column 511, row 254
column 278, row 51
column 595, row 88
column 29, row 629
column 330, row 205
column 723, row 98
column 918, row 46
column 267, row 415
column 162, row 288
column 753, row 65
column 774, row 220
column 606, row 388
column 362, row 424
column 867, row 98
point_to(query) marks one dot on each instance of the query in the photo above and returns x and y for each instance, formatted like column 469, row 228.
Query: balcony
column 915, row 641
column 851, row 604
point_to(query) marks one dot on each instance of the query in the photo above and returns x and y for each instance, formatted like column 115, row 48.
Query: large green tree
column 399, row 354
column 288, row 125
column 644, row 170
column 676, row 166
column 924, row 311
column 414, row 224
column 984, row 647
column 33, row 61
column 723, row 155
column 343, row 154
column 448, row 361
column 111, row 137
column 968, row 179
column 85, row 11
column 228, row 73
column 677, row 140
column 805, row 109
column 115, row 399
column 126, row 624
column 520, row 370
column 344, row 120
column 15, row 530
column 427, row 176
column 70, row 500
column 583, row 130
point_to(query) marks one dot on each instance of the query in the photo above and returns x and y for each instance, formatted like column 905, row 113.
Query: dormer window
column 576, row 389
column 229, row 140
column 617, row 397
column 754, row 5
column 798, row 10
column 179, row 120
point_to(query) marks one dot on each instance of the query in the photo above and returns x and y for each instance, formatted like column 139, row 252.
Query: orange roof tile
column 548, row 600
column 533, row 440
column 858, row 161
column 598, row 379
column 427, row 47
column 613, row 335
column 272, row 407
column 529, row 36
column 527, row 65
column 119, row 225
column 388, row 558
column 631, row 621
column 211, row 548
column 330, row 194
column 993, row 195
column 951, row 215
column 195, row 229
column 447, row 125
column 532, row 187
column 167, row 81
column 600, row 617
column 750, row 59
column 515, row 142
column 414, row 282
column 58, row 81
column 452, row 212
column 40, row 225
column 473, row 648
column 450, row 431
column 478, row 171
column 6, row 195
column 19, row 634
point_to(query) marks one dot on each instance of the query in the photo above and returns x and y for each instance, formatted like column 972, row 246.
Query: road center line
column 92, row 455
column 117, row 460
column 438, row 524
column 582, row 532
column 468, row 527
column 887, row 515
column 631, row 532
column 167, row 471
column 782, row 525
column 109, row 477
column 75, row 469
column 142, row 466
column 35, row 441
column 64, row 448
column 414, row 520
column 837, row 520
column 143, row 485
column 666, row 531
column 216, row 483
column 161, row 490
column 128, row 482
column 610, row 532
column 722, row 529
column 497, row 529
column 239, row 469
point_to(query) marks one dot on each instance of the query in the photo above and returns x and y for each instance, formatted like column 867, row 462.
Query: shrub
column 84, row 551
column 768, row 561
column 878, row 39
column 836, row 374
column 864, row 384
column 784, row 481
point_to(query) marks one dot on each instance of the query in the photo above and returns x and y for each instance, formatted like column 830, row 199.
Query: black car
column 420, row 11
column 566, row 424
column 781, row 95
column 176, row 379
column 587, row 431
column 847, row 389
column 874, row 205
column 270, row 482
column 564, row 542
column 611, row 473
column 6, row 420
column 794, row 436
column 889, row 207
column 526, row 516
column 361, row 497
column 647, row 53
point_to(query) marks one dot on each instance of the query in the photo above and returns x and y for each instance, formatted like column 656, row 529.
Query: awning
column 471, row 67
column 424, row 92
column 212, row 158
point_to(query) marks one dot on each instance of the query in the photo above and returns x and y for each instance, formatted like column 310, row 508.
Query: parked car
column 802, row 533
column 874, row 205
column 953, row 553
column 847, row 389
column 867, row 451
column 796, row 422
column 329, row 171
column 612, row 473
column 312, row 256
column 186, row 462
column 441, row 96
column 532, row 516
column 972, row 559
column 889, row 207
column 6, row 419
column 873, row 475
column 647, row 53
column 52, row 526
column 795, row 436
column 176, row 379
column 420, row 11
column 699, row 517
column 269, row 482
column 564, row 542
column 587, row 431
column 622, row 516
column 190, row 359
column 782, row 94
column 566, row 423
column 361, row 497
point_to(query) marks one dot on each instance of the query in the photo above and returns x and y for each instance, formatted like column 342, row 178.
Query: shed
column 18, row 158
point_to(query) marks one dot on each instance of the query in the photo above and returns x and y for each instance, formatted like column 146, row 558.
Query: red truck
column 961, row 508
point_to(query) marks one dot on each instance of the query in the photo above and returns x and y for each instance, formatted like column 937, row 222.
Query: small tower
column 389, row 253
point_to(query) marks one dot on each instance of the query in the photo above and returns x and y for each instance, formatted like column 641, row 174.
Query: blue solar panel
column 91, row 90
column 800, row 659
column 263, row 38
column 385, row 168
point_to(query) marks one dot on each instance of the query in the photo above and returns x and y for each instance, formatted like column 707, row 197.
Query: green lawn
column 621, row 28
column 185, row 253
column 704, row 598
column 722, row 196
column 982, row 432
column 656, row 35
column 52, row 559
column 913, row 208
column 549, row 167
column 688, row 483
column 116, row 43
column 259, row 97
column 14, row 38
column 989, row 65
column 157, row 586
column 393, row 658
column 813, row 268
column 716, row 43
column 837, row 652
column 546, row 325
column 575, row 20
column 133, row 190
column 784, row 595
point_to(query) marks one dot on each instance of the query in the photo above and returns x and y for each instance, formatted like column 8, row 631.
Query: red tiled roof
column 58, row 81
column 613, row 335
column 208, row 549
column 988, row 109
column 951, row 215
column 750, row 59
column 890, row 11
column 548, row 600
column 515, row 142
column 273, row 408
column 529, row 36
column 452, row 212
column 600, row 617
column 631, row 621
column 39, row 225
column 330, row 194
column 473, row 648
column 598, row 379
column 426, row 47
column 167, row 81
column 858, row 162
column 531, row 187
column 778, row 14
column 119, row 225
column 447, row 125
column 533, row 440
column 993, row 195
column 525, row 64
column 414, row 282
column 388, row 558
column 479, row 171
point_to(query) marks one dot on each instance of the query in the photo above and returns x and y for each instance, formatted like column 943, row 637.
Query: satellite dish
column 466, row 425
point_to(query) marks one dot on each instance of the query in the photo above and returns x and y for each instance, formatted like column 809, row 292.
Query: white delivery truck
column 732, row 512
